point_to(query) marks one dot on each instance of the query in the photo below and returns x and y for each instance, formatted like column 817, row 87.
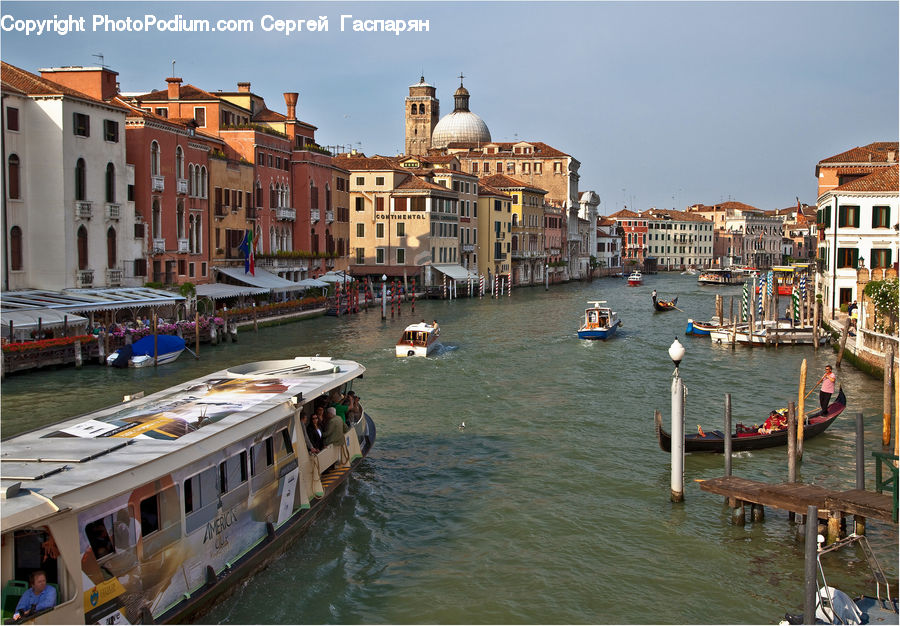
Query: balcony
column 468, row 247
column 220, row 211
column 329, row 217
column 526, row 254
column 285, row 213
column 113, row 211
column 85, row 278
column 314, row 215
column 251, row 213
column 157, row 183
column 159, row 245
column 181, row 186
column 114, row 278
column 183, row 245
column 83, row 210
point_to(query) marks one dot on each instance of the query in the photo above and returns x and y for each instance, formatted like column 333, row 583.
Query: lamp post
column 547, row 277
column 384, row 296
column 676, row 353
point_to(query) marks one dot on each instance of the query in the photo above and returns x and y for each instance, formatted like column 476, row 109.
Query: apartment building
column 678, row 239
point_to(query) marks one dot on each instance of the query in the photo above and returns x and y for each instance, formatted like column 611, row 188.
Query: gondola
column 714, row 441
column 663, row 305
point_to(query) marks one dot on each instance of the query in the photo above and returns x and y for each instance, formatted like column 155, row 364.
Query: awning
column 262, row 279
column 308, row 283
column 80, row 300
column 456, row 272
column 28, row 320
column 218, row 291
column 336, row 277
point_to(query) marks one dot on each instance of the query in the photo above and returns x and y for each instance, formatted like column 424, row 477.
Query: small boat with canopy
column 600, row 322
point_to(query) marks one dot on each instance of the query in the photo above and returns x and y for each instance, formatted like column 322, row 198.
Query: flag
column 246, row 248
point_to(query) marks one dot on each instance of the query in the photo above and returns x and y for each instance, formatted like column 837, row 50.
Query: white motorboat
column 141, row 352
column 419, row 339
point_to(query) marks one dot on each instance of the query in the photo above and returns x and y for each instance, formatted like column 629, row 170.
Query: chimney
column 174, row 88
column 244, row 87
column 891, row 156
column 290, row 99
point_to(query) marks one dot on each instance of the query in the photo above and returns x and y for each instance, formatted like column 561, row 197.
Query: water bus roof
column 65, row 465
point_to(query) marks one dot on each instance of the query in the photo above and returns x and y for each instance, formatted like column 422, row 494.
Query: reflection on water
column 552, row 505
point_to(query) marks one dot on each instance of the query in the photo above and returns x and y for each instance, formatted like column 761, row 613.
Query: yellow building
column 495, row 228
column 233, row 210
column 527, row 251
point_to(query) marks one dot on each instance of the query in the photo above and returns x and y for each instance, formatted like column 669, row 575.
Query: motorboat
column 141, row 352
column 600, row 322
column 419, row 339
column 151, row 510
column 635, row 278
column 720, row 277
column 702, row 328
column 690, row 271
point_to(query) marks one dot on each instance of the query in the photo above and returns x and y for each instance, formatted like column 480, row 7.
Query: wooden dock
column 797, row 497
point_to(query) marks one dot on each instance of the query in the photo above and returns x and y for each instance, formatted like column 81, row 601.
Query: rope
column 345, row 453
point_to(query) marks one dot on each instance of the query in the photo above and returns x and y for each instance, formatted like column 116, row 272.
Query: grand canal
column 552, row 504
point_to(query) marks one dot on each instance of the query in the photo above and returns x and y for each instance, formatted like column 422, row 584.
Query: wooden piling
column 810, row 586
column 78, row 354
column 815, row 331
column 727, row 431
column 792, row 442
column 255, row 319
column 860, row 470
column 730, row 311
column 719, row 308
column 844, row 332
column 733, row 334
column 888, row 395
column 801, row 409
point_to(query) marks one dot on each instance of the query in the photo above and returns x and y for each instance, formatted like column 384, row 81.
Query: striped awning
column 219, row 291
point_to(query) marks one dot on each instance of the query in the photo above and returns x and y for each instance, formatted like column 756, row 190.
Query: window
column 848, row 216
column 80, row 180
column 360, row 256
column 379, row 203
column 379, row 181
column 233, row 472
column 379, row 256
column 401, row 256
column 110, row 182
column 360, row 181
column 269, row 156
column 360, row 230
column 82, row 248
column 162, row 111
column 880, row 258
column 881, row 217
column 262, row 455
column 401, row 229
column 81, row 125
column 154, row 159
column 111, row 248
column 12, row 118
column 111, row 130
column 149, row 515
column 200, row 116
column 847, row 257
column 379, row 230
column 15, row 248
column 179, row 162
column 15, row 190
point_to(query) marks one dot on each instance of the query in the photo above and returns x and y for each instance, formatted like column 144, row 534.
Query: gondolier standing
column 827, row 381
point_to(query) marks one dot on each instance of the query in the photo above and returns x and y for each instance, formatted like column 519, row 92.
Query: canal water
column 552, row 504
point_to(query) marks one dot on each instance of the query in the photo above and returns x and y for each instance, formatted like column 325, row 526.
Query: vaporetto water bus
column 149, row 510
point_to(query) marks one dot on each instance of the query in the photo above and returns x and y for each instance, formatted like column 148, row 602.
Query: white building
column 69, row 220
column 760, row 237
column 678, row 239
column 858, row 228
column 609, row 251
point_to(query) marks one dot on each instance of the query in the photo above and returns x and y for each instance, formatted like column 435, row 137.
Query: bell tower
column 423, row 110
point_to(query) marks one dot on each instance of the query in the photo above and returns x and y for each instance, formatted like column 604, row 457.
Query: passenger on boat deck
column 316, row 428
column 776, row 421
column 38, row 597
column 338, row 404
column 354, row 410
column 827, row 381
column 334, row 427
column 304, row 422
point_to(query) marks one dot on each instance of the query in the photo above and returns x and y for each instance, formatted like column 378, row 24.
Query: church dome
column 462, row 125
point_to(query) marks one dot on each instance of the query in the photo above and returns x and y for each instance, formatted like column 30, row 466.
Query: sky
column 664, row 104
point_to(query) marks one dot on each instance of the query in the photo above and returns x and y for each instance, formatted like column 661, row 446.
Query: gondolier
column 827, row 381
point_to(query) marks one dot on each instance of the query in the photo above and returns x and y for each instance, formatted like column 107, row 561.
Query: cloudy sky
column 665, row 104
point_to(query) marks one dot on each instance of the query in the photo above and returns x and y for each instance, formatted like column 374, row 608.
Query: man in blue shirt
column 39, row 597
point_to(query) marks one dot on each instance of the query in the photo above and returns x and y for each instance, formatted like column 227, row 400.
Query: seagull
column 462, row 425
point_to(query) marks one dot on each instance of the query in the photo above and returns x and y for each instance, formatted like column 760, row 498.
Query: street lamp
column 384, row 296
column 676, row 353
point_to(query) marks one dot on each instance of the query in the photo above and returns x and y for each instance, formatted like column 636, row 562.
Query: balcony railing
column 468, row 247
column 114, row 278
column 183, row 245
column 527, row 254
column 329, row 217
column 113, row 211
column 181, row 185
column 159, row 245
column 85, row 278
column 314, row 215
column 157, row 183
column 83, row 209
column 220, row 211
column 285, row 213
column 251, row 213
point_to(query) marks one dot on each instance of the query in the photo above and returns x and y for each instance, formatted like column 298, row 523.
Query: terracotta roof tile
column 186, row 92
column 541, row 150
column 624, row 214
column 877, row 152
column 420, row 184
column 487, row 190
column 35, row 85
column 268, row 115
column 502, row 181
column 882, row 179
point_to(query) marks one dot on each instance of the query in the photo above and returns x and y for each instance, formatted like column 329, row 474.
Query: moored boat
column 635, row 278
column 663, row 305
column 750, row 438
column 141, row 352
column 719, row 277
column 150, row 510
column 702, row 328
column 419, row 339
column 600, row 322
column 772, row 333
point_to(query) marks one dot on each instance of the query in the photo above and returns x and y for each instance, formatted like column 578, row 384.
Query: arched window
column 259, row 195
column 273, row 239
column 413, row 109
column 179, row 219
column 197, row 236
column 327, row 197
column 156, row 219
column 273, row 196
column 110, row 182
column 15, row 248
column 154, row 159
column 15, row 189
column 80, row 179
column 111, row 248
column 179, row 162
column 422, row 109
column 82, row 248
column 204, row 190
column 192, row 182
